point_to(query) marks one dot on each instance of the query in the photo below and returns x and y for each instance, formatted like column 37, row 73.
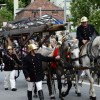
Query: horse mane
column 96, row 41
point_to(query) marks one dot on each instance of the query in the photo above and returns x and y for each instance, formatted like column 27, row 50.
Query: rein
column 75, row 59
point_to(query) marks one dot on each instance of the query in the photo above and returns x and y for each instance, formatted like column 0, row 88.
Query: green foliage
column 2, row 1
column 21, row 4
column 1, row 20
column 5, row 15
column 95, row 19
column 26, row 2
column 10, row 5
column 95, row 3
column 88, row 8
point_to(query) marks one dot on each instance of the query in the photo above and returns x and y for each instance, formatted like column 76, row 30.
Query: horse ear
column 75, row 40
column 69, row 44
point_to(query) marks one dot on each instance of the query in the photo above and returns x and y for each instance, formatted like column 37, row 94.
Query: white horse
column 73, row 61
column 95, row 53
column 74, row 50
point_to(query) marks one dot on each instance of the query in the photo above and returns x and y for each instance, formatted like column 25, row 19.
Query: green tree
column 1, row 20
column 95, row 3
column 21, row 4
column 2, row 1
column 9, row 4
column 26, row 2
column 5, row 15
column 95, row 19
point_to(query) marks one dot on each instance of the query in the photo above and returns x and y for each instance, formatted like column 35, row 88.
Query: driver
column 85, row 31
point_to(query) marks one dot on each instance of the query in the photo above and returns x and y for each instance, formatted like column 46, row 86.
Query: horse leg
column 60, row 87
column 92, row 90
column 49, row 84
column 77, row 91
column 69, row 82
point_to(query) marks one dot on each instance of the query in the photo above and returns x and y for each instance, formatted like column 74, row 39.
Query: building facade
column 60, row 3
column 38, row 8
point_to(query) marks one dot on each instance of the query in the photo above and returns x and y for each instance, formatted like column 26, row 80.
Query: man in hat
column 85, row 31
column 10, row 60
column 32, row 69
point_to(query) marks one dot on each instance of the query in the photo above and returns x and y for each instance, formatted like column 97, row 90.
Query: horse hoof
column 75, row 92
column 64, row 94
column 79, row 94
column 92, row 98
column 35, row 96
column 61, row 98
column 52, row 97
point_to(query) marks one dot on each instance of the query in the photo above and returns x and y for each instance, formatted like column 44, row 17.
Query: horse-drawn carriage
column 23, row 31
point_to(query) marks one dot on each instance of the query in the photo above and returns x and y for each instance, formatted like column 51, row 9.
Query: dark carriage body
column 30, row 31
column 23, row 28
column 33, row 29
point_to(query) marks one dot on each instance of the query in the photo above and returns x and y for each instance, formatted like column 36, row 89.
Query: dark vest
column 86, row 33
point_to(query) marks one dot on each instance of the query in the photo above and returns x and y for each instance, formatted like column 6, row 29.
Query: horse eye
column 71, row 53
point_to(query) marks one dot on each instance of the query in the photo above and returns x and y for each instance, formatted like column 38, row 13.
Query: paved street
column 20, row 94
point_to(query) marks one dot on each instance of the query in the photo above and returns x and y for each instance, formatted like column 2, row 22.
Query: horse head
column 71, row 51
column 74, row 50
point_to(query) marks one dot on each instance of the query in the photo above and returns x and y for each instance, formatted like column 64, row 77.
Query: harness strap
column 79, row 57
